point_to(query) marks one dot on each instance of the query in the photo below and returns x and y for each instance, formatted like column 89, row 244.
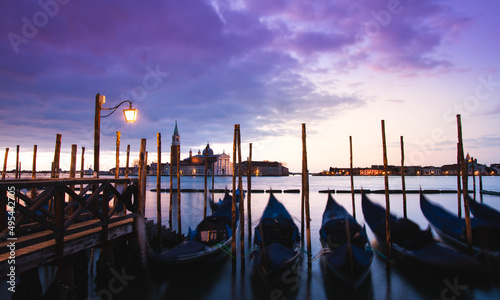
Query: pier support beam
column 29, row 286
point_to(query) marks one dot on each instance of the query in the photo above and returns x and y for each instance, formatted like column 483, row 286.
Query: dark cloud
column 220, row 62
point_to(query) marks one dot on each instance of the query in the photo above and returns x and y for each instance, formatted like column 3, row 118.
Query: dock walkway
column 46, row 220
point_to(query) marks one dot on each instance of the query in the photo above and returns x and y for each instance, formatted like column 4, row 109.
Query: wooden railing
column 57, row 205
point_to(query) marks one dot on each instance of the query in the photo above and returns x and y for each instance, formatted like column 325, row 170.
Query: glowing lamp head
column 130, row 114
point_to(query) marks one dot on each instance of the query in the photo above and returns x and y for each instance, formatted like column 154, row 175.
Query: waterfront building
column 265, row 168
column 218, row 164
column 431, row 171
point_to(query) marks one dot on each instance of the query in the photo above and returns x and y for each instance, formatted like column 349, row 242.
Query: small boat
column 215, row 205
column 276, row 242
column 348, row 253
column 451, row 229
column 485, row 213
column 207, row 244
column 413, row 246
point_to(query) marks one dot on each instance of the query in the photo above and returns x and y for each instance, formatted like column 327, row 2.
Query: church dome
column 210, row 151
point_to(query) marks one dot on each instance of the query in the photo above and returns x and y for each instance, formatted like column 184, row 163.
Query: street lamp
column 130, row 116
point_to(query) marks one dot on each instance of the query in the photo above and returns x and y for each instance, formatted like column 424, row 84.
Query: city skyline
column 339, row 67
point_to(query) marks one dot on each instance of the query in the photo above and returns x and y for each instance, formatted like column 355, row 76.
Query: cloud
column 227, row 61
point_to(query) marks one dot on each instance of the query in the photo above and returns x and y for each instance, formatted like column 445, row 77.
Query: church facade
column 216, row 164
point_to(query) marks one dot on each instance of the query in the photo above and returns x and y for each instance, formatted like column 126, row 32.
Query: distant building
column 449, row 170
column 431, row 171
column 218, row 164
column 122, row 171
column 473, row 167
column 194, row 165
column 494, row 169
column 164, row 168
column 379, row 170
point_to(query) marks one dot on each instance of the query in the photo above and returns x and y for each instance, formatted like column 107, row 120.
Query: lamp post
column 130, row 116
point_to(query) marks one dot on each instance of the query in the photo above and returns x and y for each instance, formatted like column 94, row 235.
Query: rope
column 320, row 253
column 390, row 261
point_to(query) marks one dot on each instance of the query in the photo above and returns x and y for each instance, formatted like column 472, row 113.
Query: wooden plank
column 45, row 252
column 46, row 182
column 43, row 236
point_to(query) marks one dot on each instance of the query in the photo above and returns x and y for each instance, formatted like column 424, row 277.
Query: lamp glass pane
column 130, row 114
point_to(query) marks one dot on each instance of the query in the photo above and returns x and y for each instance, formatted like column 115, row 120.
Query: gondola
column 348, row 254
column 451, row 229
column 413, row 246
column 276, row 243
column 206, row 245
column 215, row 205
column 485, row 213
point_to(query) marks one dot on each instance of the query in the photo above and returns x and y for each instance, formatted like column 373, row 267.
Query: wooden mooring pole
column 158, row 189
column 117, row 155
column 127, row 162
column 352, row 179
column 72, row 171
column 33, row 168
column 249, row 194
column 387, row 201
column 72, row 168
column 5, row 163
column 117, row 163
column 17, row 163
column 481, row 186
column 242, row 203
column 82, row 165
column 171, row 186
column 233, row 206
column 473, row 178
column 57, row 155
column 459, row 182
column 178, row 164
column 403, row 183
column 205, row 186
column 465, row 174
column 142, row 177
column 126, row 172
column 305, row 174
column 213, row 181
column 55, row 172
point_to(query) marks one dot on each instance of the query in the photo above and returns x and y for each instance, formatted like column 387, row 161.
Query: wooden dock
column 56, row 221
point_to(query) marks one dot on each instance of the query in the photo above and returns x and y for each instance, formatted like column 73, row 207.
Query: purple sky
column 338, row 66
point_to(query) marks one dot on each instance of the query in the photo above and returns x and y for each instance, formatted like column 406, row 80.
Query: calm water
column 396, row 282
column 399, row 282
